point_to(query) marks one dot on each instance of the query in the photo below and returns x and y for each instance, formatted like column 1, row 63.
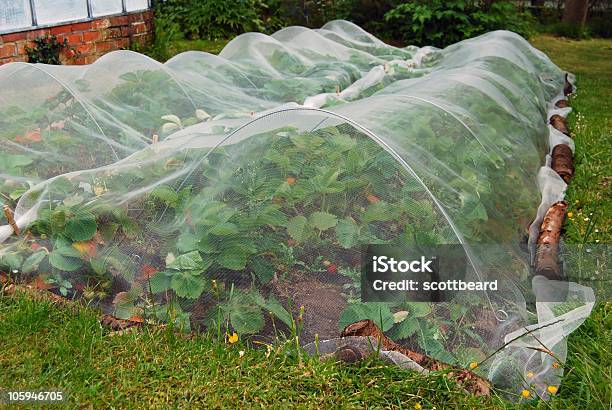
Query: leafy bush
column 212, row 19
column 46, row 50
column 440, row 23
column 166, row 31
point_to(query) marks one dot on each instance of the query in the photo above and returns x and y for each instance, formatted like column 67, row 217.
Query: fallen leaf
column 86, row 248
column 31, row 136
column 40, row 283
column 373, row 199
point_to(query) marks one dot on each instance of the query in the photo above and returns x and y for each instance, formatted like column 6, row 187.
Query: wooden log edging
column 568, row 88
column 471, row 382
column 560, row 123
column 546, row 261
column 546, row 257
column 563, row 162
column 10, row 218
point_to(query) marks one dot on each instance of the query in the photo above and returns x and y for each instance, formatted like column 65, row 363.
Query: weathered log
column 349, row 354
column 563, row 162
column 547, row 247
column 559, row 123
column 562, row 104
column 118, row 324
column 470, row 381
column 567, row 88
column 8, row 214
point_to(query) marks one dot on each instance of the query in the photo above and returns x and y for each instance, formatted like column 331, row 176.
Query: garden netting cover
column 235, row 190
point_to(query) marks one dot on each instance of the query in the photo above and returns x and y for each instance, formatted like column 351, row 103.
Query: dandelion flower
column 570, row 214
column 555, row 365
column 418, row 406
column 473, row 365
column 552, row 389
column 530, row 375
column 525, row 393
column 233, row 338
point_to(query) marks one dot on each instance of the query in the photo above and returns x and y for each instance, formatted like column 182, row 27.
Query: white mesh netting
column 230, row 190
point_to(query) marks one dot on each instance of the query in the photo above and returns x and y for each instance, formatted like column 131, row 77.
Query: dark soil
column 322, row 300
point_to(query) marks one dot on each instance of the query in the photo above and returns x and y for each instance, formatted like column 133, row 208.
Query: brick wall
column 87, row 41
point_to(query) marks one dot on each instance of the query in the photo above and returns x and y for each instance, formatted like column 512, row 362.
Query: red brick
column 8, row 50
column 106, row 46
column 65, row 29
column 81, row 26
column 21, row 46
column 139, row 39
column 89, row 36
column 7, row 38
column 122, row 43
column 139, row 28
column 90, row 59
column 125, row 31
column 85, row 48
column 136, row 17
column 74, row 39
column 114, row 32
column 100, row 23
column 31, row 35
column 69, row 54
column 119, row 21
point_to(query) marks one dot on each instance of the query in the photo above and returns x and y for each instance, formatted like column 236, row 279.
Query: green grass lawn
column 589, row 365
column 210, row 46
column 45, row 347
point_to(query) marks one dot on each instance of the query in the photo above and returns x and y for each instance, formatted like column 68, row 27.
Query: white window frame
column 34, row 23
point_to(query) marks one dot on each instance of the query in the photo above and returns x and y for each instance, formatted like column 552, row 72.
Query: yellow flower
column 530, row 375
column 473, row 365
column 552, row 389
column 418, row 406
column 555, row 365
column 525, row 393
column 570, row 214
column 233, row 338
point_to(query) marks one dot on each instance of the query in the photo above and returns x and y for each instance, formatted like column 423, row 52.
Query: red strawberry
column 373, row 199
column 147, row 271
column 332, row 268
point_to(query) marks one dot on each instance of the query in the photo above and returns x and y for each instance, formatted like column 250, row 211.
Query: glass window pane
column 57, row 11
column 136, row 5
column 14, row 14
column 105, row 7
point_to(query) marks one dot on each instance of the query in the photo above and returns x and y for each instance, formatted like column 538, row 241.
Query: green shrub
column 211, row 19
column 440, row 23
column 46, row 50
column 569, row 30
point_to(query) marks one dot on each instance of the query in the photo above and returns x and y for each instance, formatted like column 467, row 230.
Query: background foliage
column 440, row 23
column 212, row 19
column 418, row 22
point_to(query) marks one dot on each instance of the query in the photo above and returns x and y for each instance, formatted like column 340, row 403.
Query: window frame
column 35, row 26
